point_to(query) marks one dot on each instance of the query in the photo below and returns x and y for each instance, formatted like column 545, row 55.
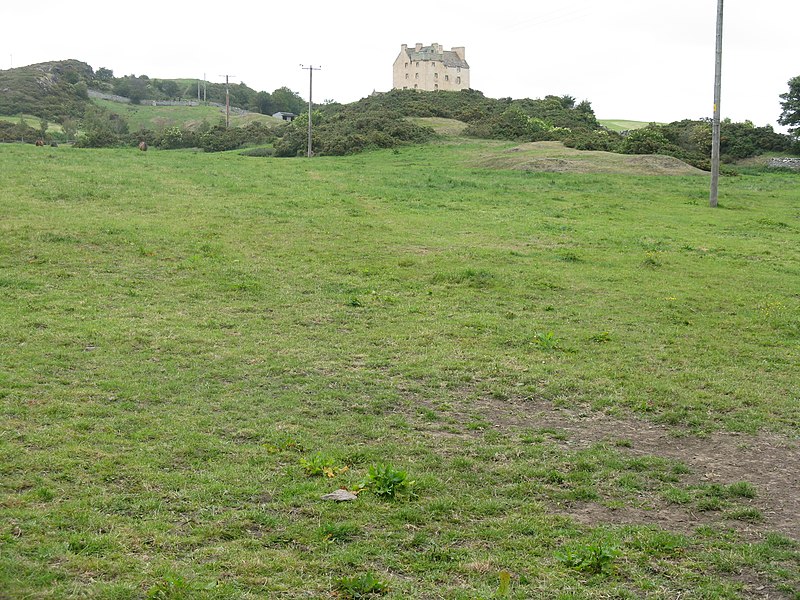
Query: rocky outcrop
column 784, row 163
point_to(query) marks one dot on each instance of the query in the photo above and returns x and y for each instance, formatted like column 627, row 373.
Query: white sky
column 646, row 60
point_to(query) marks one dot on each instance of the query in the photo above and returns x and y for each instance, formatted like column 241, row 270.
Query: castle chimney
column 418, row 47
column 459, row 50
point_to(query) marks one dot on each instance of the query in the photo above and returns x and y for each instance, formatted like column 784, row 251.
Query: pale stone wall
column 428, row 75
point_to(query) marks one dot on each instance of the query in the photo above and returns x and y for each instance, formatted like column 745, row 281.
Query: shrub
column 17, row 132
column 350, row 131
column 171, row 138
column 649, row 140
column 597, row 139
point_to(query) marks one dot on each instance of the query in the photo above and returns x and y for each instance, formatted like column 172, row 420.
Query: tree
column 104, row 74
column 43, row 125
column 169, row 88
column 791, row 106
column 285, row 100
column 263, row 103
column 70, row 128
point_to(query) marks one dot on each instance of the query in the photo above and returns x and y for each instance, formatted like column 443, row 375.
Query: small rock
column 340, row 496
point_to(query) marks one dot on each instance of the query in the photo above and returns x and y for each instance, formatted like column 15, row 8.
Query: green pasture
column 32, row 121
column 442, row 126
column 623, row 124
column 160, row 117
column 194, row 348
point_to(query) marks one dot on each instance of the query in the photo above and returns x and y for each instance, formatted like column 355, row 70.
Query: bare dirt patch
column 768, row 461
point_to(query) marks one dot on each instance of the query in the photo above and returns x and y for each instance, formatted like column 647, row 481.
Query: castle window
column 433, row 64
column 416, row 75
column 415, row 86
column 436, row 86
column 447, row 77
column 458, row 69
column 458, row 79
column 406, row 75
column 406, row 65
column 417, row 63
column 436, row 76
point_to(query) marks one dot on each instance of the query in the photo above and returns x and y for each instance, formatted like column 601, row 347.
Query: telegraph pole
column 715, row 129
column 310, row 69
column 227, row 101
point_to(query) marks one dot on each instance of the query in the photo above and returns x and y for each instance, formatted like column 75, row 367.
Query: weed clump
column 385, row 481
column 321, row 465
column 361, row 586
column 594, row 559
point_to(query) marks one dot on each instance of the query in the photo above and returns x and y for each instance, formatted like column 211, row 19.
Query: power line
column 568, row 14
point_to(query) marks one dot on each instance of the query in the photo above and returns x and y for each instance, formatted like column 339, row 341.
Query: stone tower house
column 431, row 68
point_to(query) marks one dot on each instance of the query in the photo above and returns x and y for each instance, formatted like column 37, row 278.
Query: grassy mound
column 554, row 157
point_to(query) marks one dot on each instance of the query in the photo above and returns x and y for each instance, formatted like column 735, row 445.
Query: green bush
column 589, row 139
column 649, row 140
column 349, row 131
column 18, row 132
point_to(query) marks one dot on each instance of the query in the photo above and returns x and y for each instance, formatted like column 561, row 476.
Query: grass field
column 590, row 378
column 159, row 117
column 32, row 122
column 623, row 124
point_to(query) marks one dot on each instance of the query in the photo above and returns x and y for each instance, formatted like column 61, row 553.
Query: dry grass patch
column 554, row 157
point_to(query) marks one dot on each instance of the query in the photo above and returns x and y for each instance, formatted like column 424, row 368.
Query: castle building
column 431, row 68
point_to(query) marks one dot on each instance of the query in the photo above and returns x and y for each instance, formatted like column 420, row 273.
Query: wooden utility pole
column 715, row 130
column 227, row 100
column 310, row 69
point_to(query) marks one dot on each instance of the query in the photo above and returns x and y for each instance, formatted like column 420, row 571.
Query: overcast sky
column 646, row 60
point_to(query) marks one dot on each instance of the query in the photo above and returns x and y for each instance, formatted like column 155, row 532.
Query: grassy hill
column 587, row 377
column 624, row 125
column 51, row 90
column 145, row 116
column 442, row 126
column 32, row 121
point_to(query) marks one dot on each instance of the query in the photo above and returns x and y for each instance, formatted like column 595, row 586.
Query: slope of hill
column 145, row 116
column 50, row 90
column 624, row 124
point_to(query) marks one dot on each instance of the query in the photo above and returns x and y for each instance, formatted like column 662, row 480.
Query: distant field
column 32, row 122
column 447, row 127
column 158, row 117
column 544, row 385
column 623, row 125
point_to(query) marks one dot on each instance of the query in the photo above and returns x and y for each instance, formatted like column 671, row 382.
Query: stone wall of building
column 429, row 74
